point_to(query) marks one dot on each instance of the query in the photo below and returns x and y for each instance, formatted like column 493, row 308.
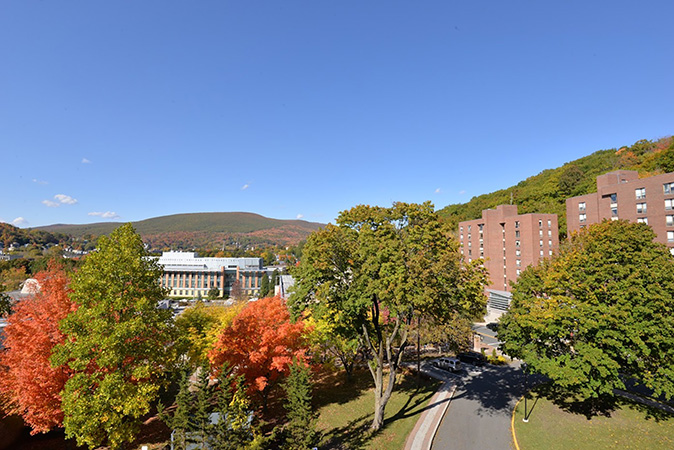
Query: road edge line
column 512, row 423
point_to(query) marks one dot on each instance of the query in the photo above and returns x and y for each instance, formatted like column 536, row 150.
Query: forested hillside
column 547, row 192
column 9, row 234
column 202, row 230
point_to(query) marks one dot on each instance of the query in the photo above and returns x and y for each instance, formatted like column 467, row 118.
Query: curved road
column 479, row 414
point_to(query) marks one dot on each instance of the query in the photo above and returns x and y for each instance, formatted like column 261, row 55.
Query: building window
column 518, row 272
column 614, row 212
column 668, row 188
column 461, row 230
column 582, row 217
column 518, row 252
column 517, row 224
column 641, row 208
column 614, row 198
column 470, row 244
column 481, row 226
column 469, row 227
column 549, row 223
column 642, row 220
column 517, row 233
column 581, row 206
column 640, row 193
column 670, row 236
column 517, row 244
column 670, row 221
column 540, row 233
column 549, row 243
column 519, row 263
column 540, row 223
column 549, row 233
column 541, row 252
column 669, row 204
column 470, row 253
column 481, row 254
column 550, row 252
column 540, row 243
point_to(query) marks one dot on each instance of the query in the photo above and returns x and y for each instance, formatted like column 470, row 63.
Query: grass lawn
column 346, row 411
column 627, row 426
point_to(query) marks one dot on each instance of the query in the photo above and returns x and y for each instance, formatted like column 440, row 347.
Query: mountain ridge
column 205, row 229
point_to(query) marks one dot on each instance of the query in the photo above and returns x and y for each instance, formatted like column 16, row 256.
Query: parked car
column 451, row 364
column 474, row 358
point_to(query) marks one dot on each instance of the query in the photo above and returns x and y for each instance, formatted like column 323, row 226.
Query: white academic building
column 188, row 275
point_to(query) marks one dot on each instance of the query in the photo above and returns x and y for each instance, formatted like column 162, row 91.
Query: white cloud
column 51, row 204
column 85, row 161
column 245, row 186
column 105, row 215
column 35, row 180
column 300, row 216
column 462, row 191
column 438, row 190
column 65, row 199
column 19, row 221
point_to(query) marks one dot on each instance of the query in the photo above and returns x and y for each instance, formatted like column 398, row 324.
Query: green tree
column 5, row 305
column 301, row 426
column 202, row 410
column 264, row 286
column 234, row 429
column 118, row 342
column 213, row 293
column 600, row 309
column 380, row 268
column 273, row 282
column 179, row 421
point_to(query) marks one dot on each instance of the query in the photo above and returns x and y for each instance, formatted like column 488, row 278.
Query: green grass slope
column 547, row 192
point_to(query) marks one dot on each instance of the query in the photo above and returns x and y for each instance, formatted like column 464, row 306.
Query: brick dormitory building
column 508, row 242
column 623, row 195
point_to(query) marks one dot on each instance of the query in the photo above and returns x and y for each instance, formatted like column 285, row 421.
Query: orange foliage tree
column 260, row 344
column 29, row 385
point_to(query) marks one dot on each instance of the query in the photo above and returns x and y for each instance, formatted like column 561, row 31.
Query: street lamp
column 526, row 391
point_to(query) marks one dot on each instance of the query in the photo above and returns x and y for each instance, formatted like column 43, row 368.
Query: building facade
column 508, row 242
column 623, row 195
column 188, row 275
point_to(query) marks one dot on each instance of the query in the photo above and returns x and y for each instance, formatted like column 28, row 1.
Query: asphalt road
column 479, row 415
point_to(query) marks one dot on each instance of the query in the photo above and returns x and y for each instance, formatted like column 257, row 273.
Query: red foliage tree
column 29, row 385
column 260, row 344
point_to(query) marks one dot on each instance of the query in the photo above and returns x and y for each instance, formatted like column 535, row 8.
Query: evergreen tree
column 264, row 286
column 179, row 422
column 273, row 282
column 6, row 304
column 301, row 426
column 234, row 428
column 202, row 410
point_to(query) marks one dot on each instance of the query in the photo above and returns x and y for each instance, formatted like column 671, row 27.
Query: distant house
column 30, row 286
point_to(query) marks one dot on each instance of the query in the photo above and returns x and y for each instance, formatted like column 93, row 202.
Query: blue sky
column 126, row 110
